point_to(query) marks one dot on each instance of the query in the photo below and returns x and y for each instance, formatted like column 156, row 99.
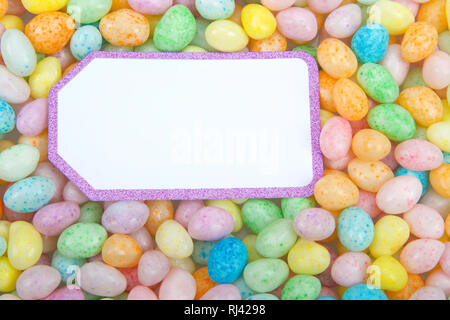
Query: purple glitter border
column 189, row 194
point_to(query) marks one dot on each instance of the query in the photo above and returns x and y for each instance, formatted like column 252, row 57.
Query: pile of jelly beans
column 377, row 226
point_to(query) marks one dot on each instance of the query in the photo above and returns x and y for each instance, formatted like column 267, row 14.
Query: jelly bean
column 178, row 285
column 210, row 223
column 378, row 83
column 203, row 282
column 12, row 22
column 13, row 89
column 37, row 282
column 9, row 275
column 85, row 11
column 52, row 219
column 66, row 293
column 231, row 208
column 121, row 251
column 336, row 58
column 143, row 238
column 257, row 21
column 67, row 267
column 439, row 279
column 244, row 289
column 277, row 5
column 175, row 30
column 72, row 193
column 186, row 264
column 193, row 49
column 201, row 252
column 250, row 243
column 18, row 53
column 369, row 175
column 350, row 268
column 423, row 104
column 173, row 240
column 393, row 121
column 392, row 275
column 364, row 292
column 292, row 206
column 367, row 202
column 370, row 145
column 91, row 212
column 336, row 192
column 435, row 70
column 153, row 268
column 336, row 138
column 215, row 10
column 414, row 283
column 325, row 277
column 444, row 41
column 326, row 86
column 102, row 280
column 84, row 41
column 421, row 255
column 159, row 211
column 46, row 74
column 399, row 195
column 301, row 287
column 222, row 292
column 393, row 15
column 227, row 260
column 258, row 213
column 18, row 161
column 125, row 27
column 125, row 217
column 395, row 64
column 7, row 119
column 141, row 293
column 439, row 179
column 428, row 293
column 355, row 229
column 65, row 57
column 39, row 6
column 308, row 257
column 419, row 41
column 50, row 32
column 423, row 177
column 314, row 224
column 343, row 21
column 438, row 134
column 32, row 118
column 265, row 275
column 82, row 240
column 151, row 7
column 370, row 43
column 310, row 50
column 276, row 239
column 418, row 155
column 350, row 100
column 433, row 12
column 24, row 245
column 276, row 42
column 297, row 24
column 425, row 222
column 226, row 36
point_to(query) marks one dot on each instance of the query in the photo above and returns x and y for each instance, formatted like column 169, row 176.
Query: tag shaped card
column 144, row 126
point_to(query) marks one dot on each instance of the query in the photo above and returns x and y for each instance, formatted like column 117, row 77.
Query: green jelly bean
column 91, row 212
column 265, row 275
column 291, row 206
column 88, row 11
column 413, row 79
column 378, row 83
column 308, row 49
column 148, row 46
column 444, row 41
column 82, row 240
column 18, row 162
column 301, row 287
column 275, row 240
column 258, row 213
column 393, row 121
column 200, row 39
column 110, row 47
column 175, row 30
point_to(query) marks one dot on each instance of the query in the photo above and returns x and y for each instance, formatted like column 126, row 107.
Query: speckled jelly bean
column 46, row 74
column 258, row 213
column 290, row 207
column 125, row 217
column 226, row 36
column 420, row 256
column 178, row 285
column 210, row 223
column 393, row 15
column 32, row 118
column 418, row 155
column 394, row 63
column 37, row 282
column 24, row 245
column 419, row 41
column 173, row 240
column 425, row 222
column 314, row 224
column 159, row 212
column 231, row 208
column 436, row 72
column 102, row 280
column 438, row 134
column 265, row 275
column 370, row 145
column 297, row 24
column 91, row 212
column 84, row 41
column 18, row 162
column 276, row 42
column 277, row 5
column 67, row 267
column 343, row 21
column 355, row 229
column 369, row 175
column 186, row 209
column 439, row 179
column 393, row 121
column 275, row 239
column 52, row 219
column 364, row 292
column 215, row 9
column 18, row 53
column 350, row 100
column 336, row 192
column 378, row 83
column 423, row 177
column 82, row 240
column 121, row 251
column 336, row 58
column 399, row 194
column 308, row 257
column 350, row 268
column 370, row 43
column 423, row 104
column 13, row 89
column 301, row 287
column 153, row 267
column 85, row 11
column 336, row 138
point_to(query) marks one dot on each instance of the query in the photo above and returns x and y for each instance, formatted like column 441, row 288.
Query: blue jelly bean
column 364, row 292
column 84, row 41
column 326, row 298
column 370, row 43
column 214, row 10
column 423, row 177
column 201, row 252
column 29, row 194
column 243, row 288
column 263, row 296
column 3, row 246
column 227, row 260
column 7, row 117
column 66, row 266
column 355, row 229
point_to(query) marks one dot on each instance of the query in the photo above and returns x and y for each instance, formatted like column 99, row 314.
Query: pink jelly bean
column 8, row 296
column 325, row 277
column 297, row 24
column 421, row 255
column 327, row 292
column 52, row 219
column 143, row 238
column 65, row 57
column 438, row 278
column 222, row 292
column 186, row 209
column 131, row 275
column 395, row 64
column 141, row 293
column 37, row 282
column 428, row 293
column 33, row 117
column 314, row 224
column 411, row 5
column 339, row 164
column 368, row 202
column 210, row 223
column 323, row 6
column 72, row 193
column 48, row 170
column 153, row 268
column 350, row 268
column 343, row 21
column 424, row 222
column 66, row 293
column 399, row 194
column 336, row 138
column 277, row 5
column 178, row 285
column 190, row 4
column 418, row 155
column 102, row 280
column 436, row 70
column 15, row 7
column 150, row 6
column 125, row 217
column 445, row 259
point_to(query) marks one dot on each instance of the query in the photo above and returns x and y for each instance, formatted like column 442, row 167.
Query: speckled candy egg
column 150, row 6
column 215, row 9
column 125, row 217
column 336, row 138
column 343, row 21
column 40, row 6
column 7, row 117
column 37, row 282
column 436, row 70
column 314, row 224
column 297, row 24
column 369, row 175
column 395, row 64
column 67, row 267
column 84, row 41
column 364, row 292
column 258, row 213
column 420, row 256
column 18, row 53
column 399, row 194
column 210, row 223
column 355, row 229
column 102, row 280
column 425, row 222
column 13, row 89
column 24, row 245
column 378, row 83
column 419, row 41
column 336, row 58
column 275, row 240
column 277, row 5
column 153, row 268
column 308, row 257
column 177, row 285
column 265, row 275
column 418, row 155
column 423, row 177
column 18, row 162
column 121, row 251
column 423, row 104
column 82, row 240
column 370, row 43
column 186, row 209
column 32, row 118
column 350, row 100
column 336, row 192
column 52, row 219
column 350, row 268
column 173, row 240
column 226, row 36
column 301, row 287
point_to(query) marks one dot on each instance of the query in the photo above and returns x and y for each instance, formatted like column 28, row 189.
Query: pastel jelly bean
column 399, row 194
column 421, row 255
column 350, row 100
column 438, row 134
column 159, row 212
column 301, row 287
column 102, row 280
column 32, row 118
column 24, row 245
column 227, row 260
column 186, row 209
column 82, row 240
column 308, row 257
column 257, row 21
column 263, row 296
column 265, row 275
column 369, row 175
column 153, row 267
column 121, row 251
column 141, row 293
column 423, row 177
column 336, row 192
column 418, row 155
column 13, row 89
column 125, row 217
column 275, row 240
column 7, row 117
column 439, row 179
column 215, row 10
column 18, row 53
column 258, row 213
column 428, row 293
column 276, row 42
column 210, row 223
column 91, row 212
column 9, row 275
column 370, row 145
column 335, row 138
column 395, row 64
column 150, row 7
column 343, row 21
column 350, row 268
column 203, row 282
column 54, row 218
column 355, row 229
column 297, row 24
column 231, row 208
column 423, row 104
column 378, row 83
column 336, row 58
column 222, row 292
column 314, row 224
column 393, row 15
column 85, row 11
column 419, row 41
column 72, row 193
column 364, row 292
column 37, row 282
column 250, row 243
column 226, row 36
column 435, row 70
column 66, row 293
column 425, row 222
column 393, row 275
column 67, row 267
column 394, row 121
column 434, row 12
column 173, row 240
column 440, row 279
column 46, row 74
column 277, row 5
column 36, row 6
column 17, row 162
column 370, row 43
column 175, row 30
column 290, row 207
column 84, row 41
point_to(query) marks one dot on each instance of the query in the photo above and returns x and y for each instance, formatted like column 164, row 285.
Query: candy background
column 377, row 227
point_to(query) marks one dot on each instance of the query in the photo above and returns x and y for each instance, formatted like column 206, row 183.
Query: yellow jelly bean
column 308, row 257
column 391, row 233
column 258, row 22
column 369, row 175
column 40, row 6
column 226, row 36
column 395, row 17
column 440, row 180
column 8, row 275
column 173, row 240
column 325, row 116
column 439, row 134
column 433, row 12
column 370, row 145
column 46, row 75
column 12, row 22
column 232, row 209
column 336, row 192
column 249, row 242
column 393, row 275
column 186, row 264
column 25, row 245
column 423, row 104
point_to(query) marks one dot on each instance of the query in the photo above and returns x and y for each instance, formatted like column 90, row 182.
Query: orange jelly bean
column 121, row 251
column 369, row 175
column 433, row 12
column 370, row 145
column 276, row 42
column 419, row 41
column 326, row 86
column 440, row 180
column 160, row 211
column 337, row 59
column 336, row 192
column 414, row 283
column 203, row 281
column 350, row 100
